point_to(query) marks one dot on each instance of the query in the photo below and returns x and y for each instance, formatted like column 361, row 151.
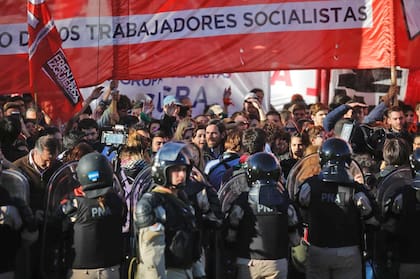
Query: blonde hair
column 183, row 125
column 136, row 147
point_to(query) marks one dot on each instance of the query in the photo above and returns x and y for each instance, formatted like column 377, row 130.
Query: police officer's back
column 98, row 214
column 404, row 222
column 395, row 173
column 168, row 237
column 334, row 206
column 260, row 221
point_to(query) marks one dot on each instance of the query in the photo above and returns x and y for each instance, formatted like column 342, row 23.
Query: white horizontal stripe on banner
column 199, row 23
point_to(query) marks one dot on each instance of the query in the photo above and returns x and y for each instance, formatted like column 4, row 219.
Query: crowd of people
column 221, row 195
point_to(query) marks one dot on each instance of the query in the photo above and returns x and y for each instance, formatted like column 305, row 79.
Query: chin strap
column 177, row 187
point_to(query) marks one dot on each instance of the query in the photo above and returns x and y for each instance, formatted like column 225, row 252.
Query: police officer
column 209, row 217
column 168, row 237
column 260, row 221
column 404, row 208
column 18, row 227
column 98, row 214
column 395, row 174
column 10, row 224
column 334, row 206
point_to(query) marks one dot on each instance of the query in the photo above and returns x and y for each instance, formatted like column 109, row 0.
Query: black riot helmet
column 264, row 168
column 415, row 166
column 335, row 159
column 95, row 174
column 169, row 155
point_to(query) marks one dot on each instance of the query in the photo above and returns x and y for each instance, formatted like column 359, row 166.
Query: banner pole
column 394, row 84
column 393, row 55
column 37, row 107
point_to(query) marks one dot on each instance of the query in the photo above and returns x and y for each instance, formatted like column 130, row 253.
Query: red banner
column 133, row 39
column 50, row 75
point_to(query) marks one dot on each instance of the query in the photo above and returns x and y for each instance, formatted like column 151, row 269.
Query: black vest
column 9, row 238
column 334, row 221
column 98, row 238
column 409, row 228
column 263, row 230
column 182, row 238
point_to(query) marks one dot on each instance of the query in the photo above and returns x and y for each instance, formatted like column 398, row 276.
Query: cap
column 9, row 105
column 171, row 99
column 215, row 110
column 250, row 95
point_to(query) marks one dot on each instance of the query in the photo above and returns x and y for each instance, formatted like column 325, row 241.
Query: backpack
column 215, row 174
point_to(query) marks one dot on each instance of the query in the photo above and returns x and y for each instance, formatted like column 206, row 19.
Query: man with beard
column 396, row 120
column 90, row 129
column 215, row 137
column 159, row 138
column 296, row 149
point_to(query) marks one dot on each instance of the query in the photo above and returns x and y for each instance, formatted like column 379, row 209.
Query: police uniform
column 209, row 219
column 334, row 206
column 98, row 214
column 404, row 208
column 168, row 238
column 260, row 221
column 381, row 241
column 10, row 224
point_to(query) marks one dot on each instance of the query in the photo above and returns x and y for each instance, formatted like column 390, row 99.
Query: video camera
column 364, row 138
column 115, row 136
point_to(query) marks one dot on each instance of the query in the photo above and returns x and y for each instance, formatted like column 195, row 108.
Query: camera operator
column 90, row 129
column 350, row 110
column 11, row 146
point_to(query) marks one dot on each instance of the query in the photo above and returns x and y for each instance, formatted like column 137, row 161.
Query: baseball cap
column 250, row 95
column 171, row 99
column 9, row 105
column 215, row 110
